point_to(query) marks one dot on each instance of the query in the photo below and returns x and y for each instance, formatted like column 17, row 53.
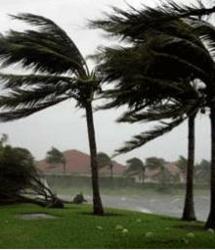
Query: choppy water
column 155, row 204
column 164, row 205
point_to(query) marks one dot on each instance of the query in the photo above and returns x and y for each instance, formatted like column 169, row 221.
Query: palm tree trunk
column 189, row 212
column 97, row 203
column 211, row 218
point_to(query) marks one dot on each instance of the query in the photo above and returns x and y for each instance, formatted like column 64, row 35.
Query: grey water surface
column 162, row 204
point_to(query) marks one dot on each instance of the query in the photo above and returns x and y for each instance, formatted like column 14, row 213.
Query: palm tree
column 59, row 72
column 188, row 211
column 56, row 156
column 203, row 171
column 179, row 102
column 140, row 27
column 181, row 163
column 135, row 167
column 105, row 161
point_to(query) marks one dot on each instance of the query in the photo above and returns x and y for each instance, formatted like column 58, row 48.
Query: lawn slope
column 75, row 227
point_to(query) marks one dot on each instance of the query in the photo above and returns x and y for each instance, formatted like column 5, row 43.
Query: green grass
column 75, row 227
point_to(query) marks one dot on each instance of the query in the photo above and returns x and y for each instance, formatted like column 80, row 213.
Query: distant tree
column 158, row 163
column 203, row 171
column 181, row 163
column 135, row 167
column 55, row 156
column 154, row 162
column 105, row 161
column 164, row 177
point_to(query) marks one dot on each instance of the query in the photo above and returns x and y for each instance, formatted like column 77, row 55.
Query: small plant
column 119, row 227
column 186, row 241
column 99, row 228
column 190, row 235
column 210, row 230
column 148, row 234
column 124, row 231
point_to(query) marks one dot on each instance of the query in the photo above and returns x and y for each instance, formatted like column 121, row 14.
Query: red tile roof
column 77, row 163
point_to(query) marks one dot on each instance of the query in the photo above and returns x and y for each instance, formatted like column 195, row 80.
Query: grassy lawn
column 75, row 227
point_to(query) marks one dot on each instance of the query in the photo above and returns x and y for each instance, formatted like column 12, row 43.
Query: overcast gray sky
column 64, row 126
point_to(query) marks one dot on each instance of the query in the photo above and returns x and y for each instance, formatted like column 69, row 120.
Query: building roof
column 77, row 162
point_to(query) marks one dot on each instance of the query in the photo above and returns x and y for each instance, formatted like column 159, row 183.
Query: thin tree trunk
column 189, row 212
column 97, row 203
column 211, row 218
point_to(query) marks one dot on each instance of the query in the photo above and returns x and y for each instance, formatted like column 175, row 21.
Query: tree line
column 136, row 167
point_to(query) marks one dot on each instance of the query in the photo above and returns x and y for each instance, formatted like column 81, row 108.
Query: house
column 171, row 174
column 78, row 163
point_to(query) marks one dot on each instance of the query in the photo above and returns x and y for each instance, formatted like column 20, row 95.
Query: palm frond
column 154, row 113
column 14, row 114
column 132, row 22
column 145, row 137
column 11, row 81
column 48, row 50
column 154, row 60
column 206, row 31
column 145, row 91
column 28, row 98
column 52, row 30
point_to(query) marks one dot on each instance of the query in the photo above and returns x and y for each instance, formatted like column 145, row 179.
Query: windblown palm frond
column 206, row 31
column 14, row 114
column 154, row 59
column 178, row 112
column 145, row 137
column 155, row 113
column 48, row 50
column 11, row 81
column 36, row 92
column 23, row 97
column 133, row 22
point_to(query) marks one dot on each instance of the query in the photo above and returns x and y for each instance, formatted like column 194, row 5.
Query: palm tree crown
column 59, row 70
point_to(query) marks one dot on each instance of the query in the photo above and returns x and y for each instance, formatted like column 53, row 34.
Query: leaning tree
column 20, row 180
column 153, row 97
column 185, row 105
column 188, row 59
column 59, row 73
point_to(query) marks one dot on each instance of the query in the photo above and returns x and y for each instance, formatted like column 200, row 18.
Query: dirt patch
column 35, row 216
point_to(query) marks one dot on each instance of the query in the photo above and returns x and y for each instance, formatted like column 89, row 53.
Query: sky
column 64, row 126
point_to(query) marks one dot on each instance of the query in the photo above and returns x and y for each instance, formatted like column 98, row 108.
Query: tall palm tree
column 177, row 101
column 59, row 72
column 187, row 103
column 141, row 27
